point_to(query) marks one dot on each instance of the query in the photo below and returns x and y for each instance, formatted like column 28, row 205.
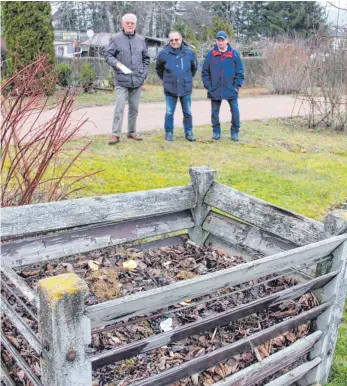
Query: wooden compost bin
column 271, row 240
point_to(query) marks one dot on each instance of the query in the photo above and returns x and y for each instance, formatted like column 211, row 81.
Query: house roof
column 102, row 39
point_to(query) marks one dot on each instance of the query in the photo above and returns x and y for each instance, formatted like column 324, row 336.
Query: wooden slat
column 144, row 302
column 20, row 361
column 9, row 291
column 257, row 372
column 23, row 329
column 29, row 219
column 241, row 234
column 278, row 221
column 200, row 364
column 222, row 318
column 295, row 374
column 29, row 251
column 5, row 376
column 330, row 321
column 20, row 284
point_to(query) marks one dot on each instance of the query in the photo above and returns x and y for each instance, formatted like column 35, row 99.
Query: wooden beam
column 248, row 236
column 202, row 178
column 5, row 376
column 144, row 302
column 33, row 219
column 295, row 374
column 278, row 221
column 11, row 292
column 64, row 330
column 20, row 361
column 257, row 372
column 145, row 345
column 330, row 320
column 200, row 364
column 59, row 245
column 23, row 329
column 20, row 284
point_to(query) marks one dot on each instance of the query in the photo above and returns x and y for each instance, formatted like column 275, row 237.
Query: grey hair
column 127, row 15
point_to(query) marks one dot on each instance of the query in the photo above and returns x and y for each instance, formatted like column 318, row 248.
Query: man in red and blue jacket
column 223, row 75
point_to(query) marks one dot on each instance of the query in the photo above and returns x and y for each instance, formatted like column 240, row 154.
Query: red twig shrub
column 36, row 138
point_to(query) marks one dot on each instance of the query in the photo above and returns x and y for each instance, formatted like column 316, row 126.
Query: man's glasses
column 175, row 40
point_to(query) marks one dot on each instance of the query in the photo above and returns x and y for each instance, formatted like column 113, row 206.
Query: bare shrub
column 283, row 65
column 325, row 85
column 36, row 139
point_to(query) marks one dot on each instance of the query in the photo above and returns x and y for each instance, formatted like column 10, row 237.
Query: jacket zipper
column 131, row 61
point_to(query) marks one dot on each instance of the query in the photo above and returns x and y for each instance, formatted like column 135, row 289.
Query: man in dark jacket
column 223, row 75
column 128, row 49
column 176, row 66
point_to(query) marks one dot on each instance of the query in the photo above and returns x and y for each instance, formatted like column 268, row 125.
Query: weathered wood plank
column 222, row 318
column 202, row 178
column 20, row 284
column 23, row 329
column 270, row 365
column 245, row 235
column 295, row 374
column 330, row 321
column 9, row 291
column 233, row 249
column 64, row 330
column 5, row 376
column 144, row 302
column 29, row 251
column 278, row 221
column 33, row 219
column 20, row 361
column 199, row 364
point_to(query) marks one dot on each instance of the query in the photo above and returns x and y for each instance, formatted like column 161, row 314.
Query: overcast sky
column 334, row 14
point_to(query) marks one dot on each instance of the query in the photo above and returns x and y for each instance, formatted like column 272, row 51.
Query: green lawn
column 338, row 374
column 275, row 160
column 296, row 169
column 150, row 93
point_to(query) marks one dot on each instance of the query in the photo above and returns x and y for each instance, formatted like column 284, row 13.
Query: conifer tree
column 28, row 32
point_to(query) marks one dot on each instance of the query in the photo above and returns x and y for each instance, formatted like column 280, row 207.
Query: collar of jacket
column 228, row 53
column 130, row 36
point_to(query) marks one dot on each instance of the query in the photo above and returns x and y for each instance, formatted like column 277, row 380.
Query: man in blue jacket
column 223, row 75
column 176, row 66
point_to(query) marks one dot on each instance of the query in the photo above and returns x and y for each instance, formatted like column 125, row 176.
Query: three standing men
column 176, row 66
column 128, row 49
column 223, row 75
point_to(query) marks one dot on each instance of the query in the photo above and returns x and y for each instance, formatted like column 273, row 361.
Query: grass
column 293, row 168
column 150, row 93
column 338, row 374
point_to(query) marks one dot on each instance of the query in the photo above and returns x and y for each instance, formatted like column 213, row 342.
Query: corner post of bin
column 202, row 178
column 64, row 331
column 329, row 321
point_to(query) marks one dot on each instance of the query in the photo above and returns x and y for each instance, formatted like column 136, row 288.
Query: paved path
column 151, row 115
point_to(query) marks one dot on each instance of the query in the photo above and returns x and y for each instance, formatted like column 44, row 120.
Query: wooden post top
column 57, row 287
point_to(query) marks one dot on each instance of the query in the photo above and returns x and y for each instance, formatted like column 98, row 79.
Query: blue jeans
column 235, row 115
column 171, row 102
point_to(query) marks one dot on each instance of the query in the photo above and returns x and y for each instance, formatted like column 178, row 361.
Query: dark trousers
column 235, row 115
